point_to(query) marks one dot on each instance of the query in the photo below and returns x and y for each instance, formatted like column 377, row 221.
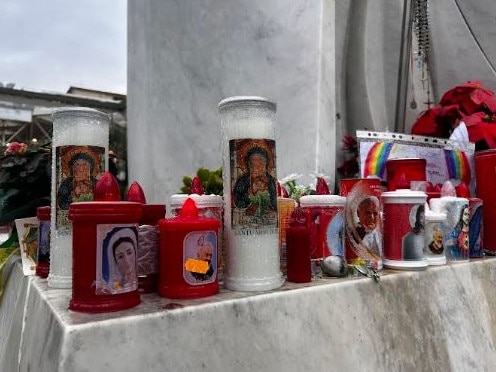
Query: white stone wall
column 331, row 66
column 185, row 56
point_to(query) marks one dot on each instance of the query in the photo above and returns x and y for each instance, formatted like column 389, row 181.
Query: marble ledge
column 152, row 303
column 442, row 318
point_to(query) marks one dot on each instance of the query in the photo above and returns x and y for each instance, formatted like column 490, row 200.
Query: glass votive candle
column 250, row 194
column 79, row 159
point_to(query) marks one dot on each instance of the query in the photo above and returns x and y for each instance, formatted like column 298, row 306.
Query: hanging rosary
column 421, row 30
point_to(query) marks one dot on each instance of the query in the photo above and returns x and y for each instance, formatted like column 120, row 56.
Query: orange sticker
column 196, row 266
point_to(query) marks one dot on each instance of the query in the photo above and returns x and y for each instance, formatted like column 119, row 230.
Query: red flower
column 18, row 148
column 472, row 97
column 481, row 126
column 471, row 103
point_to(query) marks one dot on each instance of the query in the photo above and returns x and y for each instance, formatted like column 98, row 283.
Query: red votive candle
column 104, row 244
column 299, row 268
column 188, row 254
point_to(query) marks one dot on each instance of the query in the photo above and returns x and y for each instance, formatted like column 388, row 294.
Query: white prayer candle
column 250, row 194
column 79, row 159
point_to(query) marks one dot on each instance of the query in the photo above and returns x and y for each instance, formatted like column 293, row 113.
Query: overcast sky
column 50, row 45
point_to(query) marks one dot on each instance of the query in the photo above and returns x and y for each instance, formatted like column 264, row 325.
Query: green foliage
column 211, row 181
column 186, row 185
column 25, row 183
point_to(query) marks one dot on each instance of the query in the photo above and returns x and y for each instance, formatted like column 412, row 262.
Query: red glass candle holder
column 105, row 239
column 188, row 254
column 400, row 172
column 485, row 176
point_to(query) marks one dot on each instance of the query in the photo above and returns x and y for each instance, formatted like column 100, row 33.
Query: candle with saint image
column 105, row 241
column 79, row 158
column 188, row 254
column 250, row 194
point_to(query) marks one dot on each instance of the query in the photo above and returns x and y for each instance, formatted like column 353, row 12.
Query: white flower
column 291, row 177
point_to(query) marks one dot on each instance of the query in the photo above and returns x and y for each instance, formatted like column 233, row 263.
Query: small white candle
column 79, row 158
column 250, row 194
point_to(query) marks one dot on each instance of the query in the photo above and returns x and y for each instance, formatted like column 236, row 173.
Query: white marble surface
column 435, row 320
column 184, row 57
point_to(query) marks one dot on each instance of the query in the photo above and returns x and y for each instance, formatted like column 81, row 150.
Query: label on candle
column 200, row 257
column 475, row 228
column 77, row 170
column 148, row 250
column 434, row 234
column 43, row 242
column 363, row 224
column 254, row 191
column 116, row 263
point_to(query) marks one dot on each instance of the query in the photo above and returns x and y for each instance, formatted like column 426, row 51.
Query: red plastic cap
column 298, row 218
column 322, row 188
column 107, row 189
column 135, row 193
column 462, row 190
column 43, row 213
column 281, row 191
column 152, row 213
column 196, row 186
column 189, row 209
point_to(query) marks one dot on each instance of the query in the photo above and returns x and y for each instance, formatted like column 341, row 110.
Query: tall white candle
column 79, row 158
column 250, row 194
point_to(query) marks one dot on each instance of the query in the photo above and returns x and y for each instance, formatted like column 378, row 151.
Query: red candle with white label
column 105, row 240
column 188, row 254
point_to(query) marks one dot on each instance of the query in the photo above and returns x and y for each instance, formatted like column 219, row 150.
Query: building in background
column 26, row 116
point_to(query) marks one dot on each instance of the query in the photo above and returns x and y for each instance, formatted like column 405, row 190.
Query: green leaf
column 203, row 174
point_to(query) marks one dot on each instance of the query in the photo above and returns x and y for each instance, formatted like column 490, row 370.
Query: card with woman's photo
column 27, row 231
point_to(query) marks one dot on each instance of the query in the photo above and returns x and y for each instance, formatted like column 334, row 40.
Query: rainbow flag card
column 446, row 159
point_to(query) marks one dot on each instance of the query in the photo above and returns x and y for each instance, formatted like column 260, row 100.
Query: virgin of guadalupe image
column 80, row 169
column 255, row 190
column 475, row 231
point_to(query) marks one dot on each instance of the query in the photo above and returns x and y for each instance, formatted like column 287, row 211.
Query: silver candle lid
column 79, row 112
column 247, row 101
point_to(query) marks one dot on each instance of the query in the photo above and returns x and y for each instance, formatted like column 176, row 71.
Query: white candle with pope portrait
column 250, row 194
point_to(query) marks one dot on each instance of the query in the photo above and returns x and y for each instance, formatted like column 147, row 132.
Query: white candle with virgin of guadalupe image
column 79, row 158
column 250, row 194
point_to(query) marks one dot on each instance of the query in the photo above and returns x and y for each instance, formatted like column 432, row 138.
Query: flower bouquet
column 470, row 103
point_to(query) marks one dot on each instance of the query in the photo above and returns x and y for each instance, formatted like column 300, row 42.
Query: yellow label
column 196, row 266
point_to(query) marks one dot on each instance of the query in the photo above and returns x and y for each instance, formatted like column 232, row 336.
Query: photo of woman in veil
column 116, row 259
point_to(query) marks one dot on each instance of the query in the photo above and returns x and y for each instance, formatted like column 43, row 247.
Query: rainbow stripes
column 458, row 166
column 375, row 163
